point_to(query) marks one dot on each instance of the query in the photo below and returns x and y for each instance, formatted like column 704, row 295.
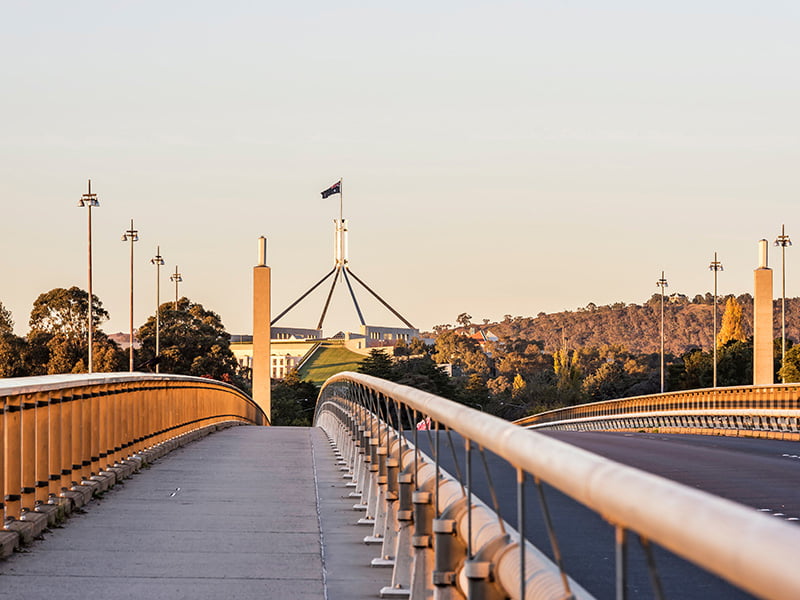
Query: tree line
column 523, row 373
column 192, row 340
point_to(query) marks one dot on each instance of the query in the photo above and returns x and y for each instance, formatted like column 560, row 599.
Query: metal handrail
column 753, row 551
column 58, row 431
column 770, row 400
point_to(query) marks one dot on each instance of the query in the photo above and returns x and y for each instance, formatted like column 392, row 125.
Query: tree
column 417, row 346
column 378, row 364
column 693, row 371
column 422, row 373
column 731, row 328
column 65, row 312
column 568, row 375
column 518, row 386
column 58, row 338
column 293, row 401
column 192, row 341
column 462, row 352
column 735, row 363
column 791, row 365
column 464, row 319
column 13, row 350
column 6, row 322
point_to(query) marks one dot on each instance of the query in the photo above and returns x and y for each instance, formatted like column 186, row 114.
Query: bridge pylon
column 262, row 282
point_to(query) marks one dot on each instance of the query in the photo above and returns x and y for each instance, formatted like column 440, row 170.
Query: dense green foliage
column 293, row 401
column 192, row 341
column 58, row 338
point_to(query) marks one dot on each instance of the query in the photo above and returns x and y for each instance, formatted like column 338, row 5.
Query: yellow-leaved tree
column 731, row 324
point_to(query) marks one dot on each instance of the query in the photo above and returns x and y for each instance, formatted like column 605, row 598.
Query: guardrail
column 437, row 536
column 750, row 411
column 66, row 437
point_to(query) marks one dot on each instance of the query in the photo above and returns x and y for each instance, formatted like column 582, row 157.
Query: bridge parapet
column 749, row 411
column 436, row 535
column 67, row 437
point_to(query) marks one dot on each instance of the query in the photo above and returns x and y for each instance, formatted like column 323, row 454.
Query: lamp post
column 662, row 283
column 176, row 277
column 783, row 241
column 131, row 235
column 715, row 266
column 158, row 261
column 89, row 200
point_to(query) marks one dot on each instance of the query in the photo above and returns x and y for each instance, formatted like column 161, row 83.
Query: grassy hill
column 328, row 359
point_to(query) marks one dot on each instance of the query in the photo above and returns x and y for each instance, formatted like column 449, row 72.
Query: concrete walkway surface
column 234, row 515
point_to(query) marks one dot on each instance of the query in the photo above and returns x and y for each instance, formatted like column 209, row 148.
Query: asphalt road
column 758, row 473
column 763, row 474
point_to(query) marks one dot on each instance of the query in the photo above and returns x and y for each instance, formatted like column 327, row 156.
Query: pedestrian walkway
column 235, row 515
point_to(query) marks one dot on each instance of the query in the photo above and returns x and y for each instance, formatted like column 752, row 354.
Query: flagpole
column 341, row 199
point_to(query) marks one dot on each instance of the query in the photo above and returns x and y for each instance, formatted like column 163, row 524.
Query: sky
column 497, row 157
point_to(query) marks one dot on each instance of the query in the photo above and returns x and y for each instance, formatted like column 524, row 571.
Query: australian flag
column 336, row 188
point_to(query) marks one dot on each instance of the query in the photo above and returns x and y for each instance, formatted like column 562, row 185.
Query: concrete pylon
column 763, row 349
column 262, row 315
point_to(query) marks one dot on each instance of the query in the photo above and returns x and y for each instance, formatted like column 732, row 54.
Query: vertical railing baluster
column 621, row 562
column 521, row 528
column 468, row 468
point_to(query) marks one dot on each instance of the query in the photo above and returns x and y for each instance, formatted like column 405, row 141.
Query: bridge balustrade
column 66, row 435
column 441, row 541
column 761, row 411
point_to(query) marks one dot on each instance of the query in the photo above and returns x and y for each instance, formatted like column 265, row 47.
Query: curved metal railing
column 761, row 411
column 435, row 534
column 65, row 432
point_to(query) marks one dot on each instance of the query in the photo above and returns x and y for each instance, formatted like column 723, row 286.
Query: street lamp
column 662, row 283
column 715, row 266
column 158, row 261
column 89, row 200
column 176, row 277
column 783, row 241
column 131, row 235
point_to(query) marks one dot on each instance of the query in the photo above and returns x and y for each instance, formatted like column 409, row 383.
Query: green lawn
column 328, row 360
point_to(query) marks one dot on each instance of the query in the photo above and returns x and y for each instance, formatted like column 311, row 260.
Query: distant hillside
column 687, row 324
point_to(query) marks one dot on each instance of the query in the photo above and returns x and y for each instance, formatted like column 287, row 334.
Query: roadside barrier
column 746, row 411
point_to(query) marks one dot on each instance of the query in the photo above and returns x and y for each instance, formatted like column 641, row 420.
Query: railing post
column 28, row 452
column 56, row 462
column 42, row 445
column 12, row 453
column 95, row 432
column 422, row 541
column 3, row 459
column 68, row 404
column 449, row 550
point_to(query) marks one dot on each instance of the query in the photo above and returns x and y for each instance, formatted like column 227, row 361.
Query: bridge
column 112, row 485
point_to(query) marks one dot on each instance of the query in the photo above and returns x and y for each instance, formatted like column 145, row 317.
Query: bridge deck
column 234, row 515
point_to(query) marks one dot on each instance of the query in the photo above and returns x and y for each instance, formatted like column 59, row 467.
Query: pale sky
column 498, row 157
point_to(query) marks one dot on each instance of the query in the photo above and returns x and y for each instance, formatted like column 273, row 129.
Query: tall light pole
column 131, row 235
column 662, row 283
column 89, row 200
column 158, row 261
column 783, row 241
column 715, row 266
column 176, row 277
